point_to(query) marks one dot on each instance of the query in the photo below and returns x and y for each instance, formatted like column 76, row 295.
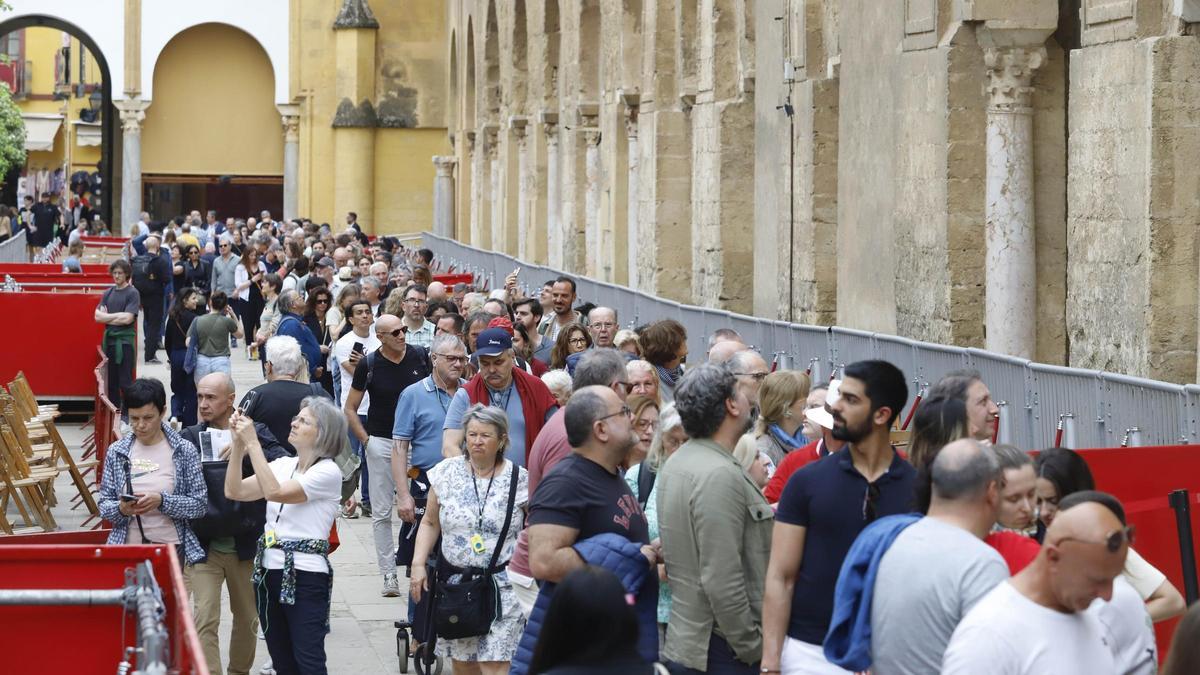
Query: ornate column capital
column 1010, row 72
column 289, row 116
column 133, row 114
column 592, row 136
column 470, row 142
column 631, row 122
column 444, row 164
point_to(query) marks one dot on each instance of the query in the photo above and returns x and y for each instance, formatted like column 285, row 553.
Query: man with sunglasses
column 1038, row 621
column 822, row 510
column 223, row 267
column 383, row 375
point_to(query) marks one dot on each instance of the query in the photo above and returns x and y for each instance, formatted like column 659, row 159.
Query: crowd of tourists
column 573, row 497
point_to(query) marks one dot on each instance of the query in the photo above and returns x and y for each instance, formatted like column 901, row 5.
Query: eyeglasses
column 577, row 341
column 322, row 301
column 758, row 377
column 869, row 499
column 451, row 358
column 394, row 333
column 646, row 425
column 604, row 324
column 1112, row 541
column 623, row 411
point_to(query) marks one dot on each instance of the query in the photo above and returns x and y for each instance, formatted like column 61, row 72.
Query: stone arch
column 552, row 29
column 491, row 64
column 109, row 114
column 520, row 57
column 468, row 118
column 227, row 64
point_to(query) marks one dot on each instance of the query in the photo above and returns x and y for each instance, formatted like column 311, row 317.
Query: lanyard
column 481, row 502
column 494, row 396
column 281, row 505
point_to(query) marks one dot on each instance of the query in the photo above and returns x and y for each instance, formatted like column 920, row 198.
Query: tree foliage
column 12, row 132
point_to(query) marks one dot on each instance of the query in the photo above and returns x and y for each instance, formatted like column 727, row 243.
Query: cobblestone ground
column 363, row 640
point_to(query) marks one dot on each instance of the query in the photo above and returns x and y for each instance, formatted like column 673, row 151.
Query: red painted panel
column 1142, row 478
column 34, row 636
column 52, row 338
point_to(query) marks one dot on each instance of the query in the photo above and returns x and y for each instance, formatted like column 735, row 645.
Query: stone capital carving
column 291, row 128
column 631, row 122
column 470, row 142
column 591, row 136
column 551, row 131
column 133, row 114
column 1010, row 76
column 444, row 164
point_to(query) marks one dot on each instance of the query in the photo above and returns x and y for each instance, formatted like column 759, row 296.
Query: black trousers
column 120, row 375
column 295, row 633
column 721, row 661
column 183, row 389
column 152, row 323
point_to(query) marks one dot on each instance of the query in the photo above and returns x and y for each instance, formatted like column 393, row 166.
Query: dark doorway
column 108, row 113
column 169, row 196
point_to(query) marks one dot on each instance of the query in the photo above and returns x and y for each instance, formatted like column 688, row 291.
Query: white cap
column 821, row 416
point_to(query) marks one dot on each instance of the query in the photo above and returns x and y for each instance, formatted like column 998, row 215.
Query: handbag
column 469, row 607
column 193, row 349
column 225, row 517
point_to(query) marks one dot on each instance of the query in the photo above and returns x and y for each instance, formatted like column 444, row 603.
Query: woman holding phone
column 292, row 574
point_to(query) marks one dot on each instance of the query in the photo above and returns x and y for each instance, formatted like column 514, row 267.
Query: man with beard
column 823, row 508
column 715, row 527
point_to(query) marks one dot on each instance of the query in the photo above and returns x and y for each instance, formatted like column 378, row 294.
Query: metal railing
column 13, row 249
column 1097, row 409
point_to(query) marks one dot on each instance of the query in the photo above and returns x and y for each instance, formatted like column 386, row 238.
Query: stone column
column 443, row 195
column 524, row 187
column 133, row 114
column 475, row 156
column 554, row 238
column 599, row 260
column 290, row 116
column 633, row 242
column 1011, row 288
column 355, row 119
column 494, row 193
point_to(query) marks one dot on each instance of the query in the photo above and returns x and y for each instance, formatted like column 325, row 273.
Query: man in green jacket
column 715, row 527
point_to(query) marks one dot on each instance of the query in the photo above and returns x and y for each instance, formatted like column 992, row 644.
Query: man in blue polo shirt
column 823, row 508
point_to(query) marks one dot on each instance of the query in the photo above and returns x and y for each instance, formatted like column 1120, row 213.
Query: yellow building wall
column 213, row 111
column 410, row 71
column 41, row 45
column 403, row 182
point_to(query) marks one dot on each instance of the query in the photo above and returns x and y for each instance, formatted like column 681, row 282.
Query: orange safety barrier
column 1142, row 478
column 34, row 634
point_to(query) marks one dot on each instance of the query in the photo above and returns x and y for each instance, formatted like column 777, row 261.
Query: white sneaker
column 391, row 586
column 268, row 668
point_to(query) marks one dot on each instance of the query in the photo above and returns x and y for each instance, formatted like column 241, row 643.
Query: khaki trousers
column 205, row 581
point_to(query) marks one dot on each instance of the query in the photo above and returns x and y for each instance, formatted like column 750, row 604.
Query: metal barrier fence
column 13, row 249
column 1093, row 408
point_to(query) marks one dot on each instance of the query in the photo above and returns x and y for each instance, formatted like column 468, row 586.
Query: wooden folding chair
column 36, row 446
column 27, row 403
column 36, row 486
column 9, row 492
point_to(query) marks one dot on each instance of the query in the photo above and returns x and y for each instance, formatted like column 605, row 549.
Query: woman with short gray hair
column 292, row 562
column 476, row 507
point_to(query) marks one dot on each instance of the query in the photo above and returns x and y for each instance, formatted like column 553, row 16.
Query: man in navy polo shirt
column 823, row 508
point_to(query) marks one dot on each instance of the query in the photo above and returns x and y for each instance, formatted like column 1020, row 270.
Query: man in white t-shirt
column 1037, row 622
column 938, row 568
column 361, row 320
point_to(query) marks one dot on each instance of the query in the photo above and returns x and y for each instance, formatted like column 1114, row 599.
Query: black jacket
column 246, row 542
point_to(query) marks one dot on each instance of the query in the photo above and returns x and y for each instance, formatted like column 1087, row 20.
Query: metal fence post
column 1181, row 504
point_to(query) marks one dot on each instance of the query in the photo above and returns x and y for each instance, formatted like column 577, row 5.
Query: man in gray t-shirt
column 939, row 567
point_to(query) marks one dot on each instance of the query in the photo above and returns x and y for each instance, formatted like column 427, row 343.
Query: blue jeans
column 295, row 633
column 211, row 364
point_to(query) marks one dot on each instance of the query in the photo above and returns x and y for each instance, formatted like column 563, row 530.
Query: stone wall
column 825, row 161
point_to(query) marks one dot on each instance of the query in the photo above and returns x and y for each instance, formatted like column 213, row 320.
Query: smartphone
column 129, row 498
column 358, row 347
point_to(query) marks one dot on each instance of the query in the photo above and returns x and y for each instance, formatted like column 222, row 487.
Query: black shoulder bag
column 468, row 607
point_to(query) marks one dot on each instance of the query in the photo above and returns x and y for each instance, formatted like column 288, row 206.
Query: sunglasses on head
column 1112, row 542
column 870, row 512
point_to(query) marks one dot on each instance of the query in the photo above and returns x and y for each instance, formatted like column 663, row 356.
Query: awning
column 40, row 131
column 87, row 133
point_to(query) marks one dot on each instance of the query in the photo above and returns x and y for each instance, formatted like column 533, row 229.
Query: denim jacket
column 188, row 500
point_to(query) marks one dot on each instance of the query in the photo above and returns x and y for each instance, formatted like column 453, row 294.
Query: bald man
column 437, row 292
column 228, row 540
column 1036, row 622
column 724, row 350
column 383, row 375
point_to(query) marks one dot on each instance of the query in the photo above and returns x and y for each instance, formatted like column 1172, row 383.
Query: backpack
column 143, row 274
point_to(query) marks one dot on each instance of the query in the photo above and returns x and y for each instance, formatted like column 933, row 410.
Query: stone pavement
column 362, row 639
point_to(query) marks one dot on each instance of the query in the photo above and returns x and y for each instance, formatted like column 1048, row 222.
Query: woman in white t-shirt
column 292, row 564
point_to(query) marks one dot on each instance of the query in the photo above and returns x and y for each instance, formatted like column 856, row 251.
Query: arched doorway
column 212, row 137
column 107, row 196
